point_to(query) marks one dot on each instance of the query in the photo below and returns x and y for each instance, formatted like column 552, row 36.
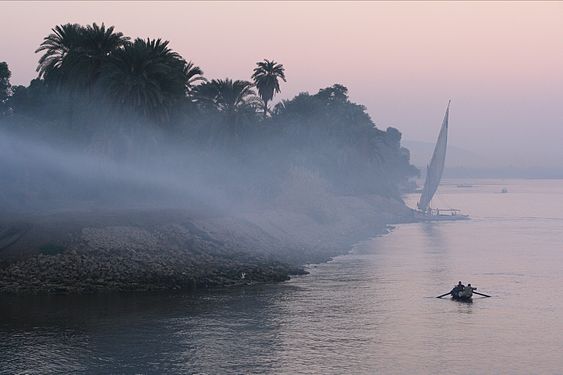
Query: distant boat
column 463, row 293
column 433, row 177
column 504, row 190
column 464, row 186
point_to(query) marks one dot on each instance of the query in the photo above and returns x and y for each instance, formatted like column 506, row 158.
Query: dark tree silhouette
column 227, row 95
column 235, row 101
column 60, row 50
column 5, row 87
column 334, row 93
column 73, row 55
column 193, row 74
column 145, row 76
column 98, row 44
column 266, row 78
column 142, row 83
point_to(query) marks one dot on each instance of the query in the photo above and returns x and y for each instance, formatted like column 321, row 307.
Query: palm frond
column 266, row 77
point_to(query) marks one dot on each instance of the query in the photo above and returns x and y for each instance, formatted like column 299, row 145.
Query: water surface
column 372, row 310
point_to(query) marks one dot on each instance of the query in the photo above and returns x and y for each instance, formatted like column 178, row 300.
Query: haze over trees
column 136, row 101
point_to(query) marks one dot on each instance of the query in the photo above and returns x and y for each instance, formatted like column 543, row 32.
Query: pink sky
column 501, row 63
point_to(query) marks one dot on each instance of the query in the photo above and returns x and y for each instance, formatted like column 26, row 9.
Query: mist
column 123, row 167
column 141, row 175
column 38, row 176
column 202, row 160
column 320, row 187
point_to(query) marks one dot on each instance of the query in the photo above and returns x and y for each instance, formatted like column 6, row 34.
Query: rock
column 174, row 251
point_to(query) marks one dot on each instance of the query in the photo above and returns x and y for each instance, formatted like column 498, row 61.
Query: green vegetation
column 123, row 99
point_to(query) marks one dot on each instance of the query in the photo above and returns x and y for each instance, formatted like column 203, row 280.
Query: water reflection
column 139, row 333
column 373, row 311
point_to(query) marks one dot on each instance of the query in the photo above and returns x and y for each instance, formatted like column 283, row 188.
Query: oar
column 481, row 294
column 443, row 295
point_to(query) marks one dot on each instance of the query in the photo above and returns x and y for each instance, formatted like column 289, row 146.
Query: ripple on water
column 365, row 312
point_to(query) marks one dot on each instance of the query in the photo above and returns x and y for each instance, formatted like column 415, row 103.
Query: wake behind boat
column 433, row 177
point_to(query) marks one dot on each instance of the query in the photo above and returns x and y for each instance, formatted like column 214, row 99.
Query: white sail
column 436, row 166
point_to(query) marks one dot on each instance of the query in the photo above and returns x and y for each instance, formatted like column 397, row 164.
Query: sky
column 501, row 63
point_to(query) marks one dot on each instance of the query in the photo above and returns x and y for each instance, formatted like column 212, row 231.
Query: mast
column 436, row 166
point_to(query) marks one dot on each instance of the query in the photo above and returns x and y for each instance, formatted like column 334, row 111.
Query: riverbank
column 169, row 249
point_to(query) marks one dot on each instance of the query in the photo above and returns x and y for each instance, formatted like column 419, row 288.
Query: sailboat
column 433, row 177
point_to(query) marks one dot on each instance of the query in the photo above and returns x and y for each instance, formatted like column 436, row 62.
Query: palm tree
column 145, row 76
column 74, row 54
column 234, row 101
column 97, row 46
column 61, row 48
column 192, row 74
column 266, row 78
column 227, row 95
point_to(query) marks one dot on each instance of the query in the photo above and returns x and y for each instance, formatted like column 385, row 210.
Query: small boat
column 462, row 293
column 461, row 298
column 433, row 177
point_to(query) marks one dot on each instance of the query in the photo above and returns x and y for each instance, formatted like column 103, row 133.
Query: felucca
column 433, row 177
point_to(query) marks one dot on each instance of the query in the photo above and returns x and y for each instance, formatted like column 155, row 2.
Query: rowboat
column 463, row 295
column 461, row 298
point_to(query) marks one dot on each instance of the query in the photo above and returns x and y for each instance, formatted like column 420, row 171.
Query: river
column 371, row 311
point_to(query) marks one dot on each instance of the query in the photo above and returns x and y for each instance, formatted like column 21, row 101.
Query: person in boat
column 457, row 289
column 468, row 291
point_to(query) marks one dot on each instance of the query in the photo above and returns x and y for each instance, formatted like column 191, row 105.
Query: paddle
column 443, row 295
column 481, row 294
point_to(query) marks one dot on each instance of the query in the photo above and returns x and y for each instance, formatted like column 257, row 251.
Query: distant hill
column 421, row 152
column 462, row 163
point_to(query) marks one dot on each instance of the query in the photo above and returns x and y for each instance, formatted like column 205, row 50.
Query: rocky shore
column 150, row 249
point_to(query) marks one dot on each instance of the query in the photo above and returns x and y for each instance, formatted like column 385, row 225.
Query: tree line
column 106, row 91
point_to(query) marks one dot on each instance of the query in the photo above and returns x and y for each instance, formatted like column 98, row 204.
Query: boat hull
column 462, row 299
column 421, row 216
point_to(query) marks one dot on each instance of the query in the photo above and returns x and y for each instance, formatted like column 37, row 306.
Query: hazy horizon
column 500, row 63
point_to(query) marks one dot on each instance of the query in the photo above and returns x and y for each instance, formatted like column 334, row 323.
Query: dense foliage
column 5, row 86
column 139, row 100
